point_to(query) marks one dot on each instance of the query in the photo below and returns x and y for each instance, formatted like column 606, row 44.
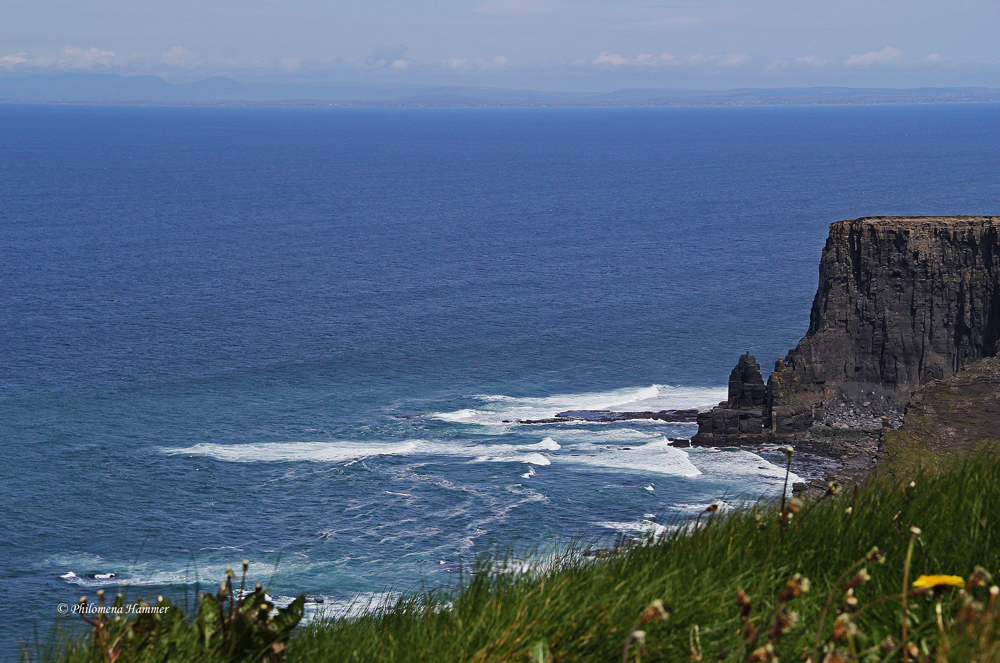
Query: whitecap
column 739, row 466
column 655, row 456
column 295, row 451
column 343, row 451
column 503, row 409
column 549, row 444
column 639, row 526
column 531, row 459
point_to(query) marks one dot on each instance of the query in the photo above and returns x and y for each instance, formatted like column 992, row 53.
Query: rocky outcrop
column 746, row 385
column 902, row 301
column 741, row 416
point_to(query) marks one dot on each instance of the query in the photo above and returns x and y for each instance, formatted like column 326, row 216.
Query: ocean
column 305, row 337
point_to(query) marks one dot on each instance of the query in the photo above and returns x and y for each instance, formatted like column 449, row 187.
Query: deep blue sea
column 300, row 336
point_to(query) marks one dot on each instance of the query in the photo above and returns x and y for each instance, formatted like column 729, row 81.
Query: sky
column 551, row 45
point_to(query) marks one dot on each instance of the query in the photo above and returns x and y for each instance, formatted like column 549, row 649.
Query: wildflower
column 712, row 508
column 934, row 581
column 763, row 654
column 875, row 555
column 833, row 488
column 860, row 578
column 834, row 657
column 915, row 531
column 655, row 610
column 843, row 627
column 788, row 453
column 797, row 585
column 978, row 578
column 784, row 622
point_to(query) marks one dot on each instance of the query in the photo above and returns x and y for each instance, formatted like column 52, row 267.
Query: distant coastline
column 113, row 89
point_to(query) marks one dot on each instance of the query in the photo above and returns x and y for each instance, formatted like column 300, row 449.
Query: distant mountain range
column 88, row 88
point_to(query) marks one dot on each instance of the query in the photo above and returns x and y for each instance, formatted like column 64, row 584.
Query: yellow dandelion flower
column 927, row 582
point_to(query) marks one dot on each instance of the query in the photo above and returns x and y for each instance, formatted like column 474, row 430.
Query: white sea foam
column 343, row 451
column 654, row 456
column 740, row 466
column 330, row 452
column 500, row 409
column 639, row 526
column 332, row 608
column 599, row 435
column 550, row 444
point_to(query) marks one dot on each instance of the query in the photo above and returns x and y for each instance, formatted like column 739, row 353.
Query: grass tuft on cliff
column 821, row 581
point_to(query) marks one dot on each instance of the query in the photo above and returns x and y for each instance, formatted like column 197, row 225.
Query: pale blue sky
column 531, row 44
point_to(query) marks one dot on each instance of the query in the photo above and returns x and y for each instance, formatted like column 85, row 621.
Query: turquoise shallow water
column 295, row 335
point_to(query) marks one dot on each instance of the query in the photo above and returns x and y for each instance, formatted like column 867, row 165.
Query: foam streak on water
column 499, row 409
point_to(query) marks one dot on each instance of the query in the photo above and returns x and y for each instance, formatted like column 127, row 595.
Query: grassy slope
column 584, row 611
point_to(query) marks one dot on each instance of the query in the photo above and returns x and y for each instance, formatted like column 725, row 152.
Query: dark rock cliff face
column 742, row 414
column 901, row 301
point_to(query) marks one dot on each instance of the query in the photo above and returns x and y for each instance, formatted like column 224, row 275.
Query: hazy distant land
column 87, row 88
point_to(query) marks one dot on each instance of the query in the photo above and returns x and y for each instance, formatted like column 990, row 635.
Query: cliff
column 902, row 301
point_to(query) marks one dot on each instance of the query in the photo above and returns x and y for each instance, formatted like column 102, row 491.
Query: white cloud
column 10, row 61
column 520, row 7
column 79, row 58
column 811, row 59
column 179, row 56
column 606, row 59
column 455, row 63
column 887, row 54
column 383, row 56
column 734, row 60
column 400, row 64
column 289, row 63
column 933, row 58
column 499, row 61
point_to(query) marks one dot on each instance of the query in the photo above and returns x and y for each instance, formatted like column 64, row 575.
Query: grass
column 801, row 582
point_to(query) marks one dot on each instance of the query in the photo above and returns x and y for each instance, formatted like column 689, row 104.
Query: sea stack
column 902, row 301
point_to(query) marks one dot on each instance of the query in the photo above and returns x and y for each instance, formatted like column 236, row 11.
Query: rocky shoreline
column 901, row 346
column 607, row 416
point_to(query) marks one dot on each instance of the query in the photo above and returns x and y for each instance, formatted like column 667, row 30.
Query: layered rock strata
column 902, row 301
column 741, row 415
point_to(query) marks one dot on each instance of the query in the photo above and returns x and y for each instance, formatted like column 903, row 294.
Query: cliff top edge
column 915, row 222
